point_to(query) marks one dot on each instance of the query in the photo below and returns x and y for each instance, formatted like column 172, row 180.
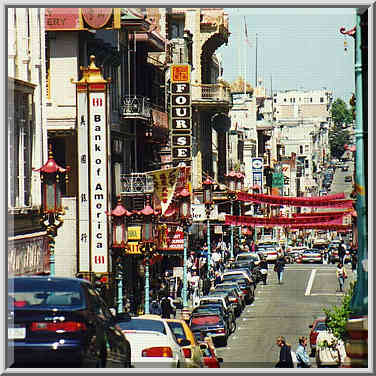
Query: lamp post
column 185, row 214
column 231, row 195
column 119, row 243
column 239, row 188
column 148, row 213
column 51, row 175
column 208, row 201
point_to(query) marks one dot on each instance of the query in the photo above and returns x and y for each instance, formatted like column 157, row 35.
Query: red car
column 209, row 356
column 317, row 326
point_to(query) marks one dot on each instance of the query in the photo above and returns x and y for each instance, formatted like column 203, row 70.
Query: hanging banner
column 165, row 182
column 315, row 214
column 323, row 202
column 243, row 220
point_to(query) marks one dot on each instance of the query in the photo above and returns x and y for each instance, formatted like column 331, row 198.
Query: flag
column 246, row 34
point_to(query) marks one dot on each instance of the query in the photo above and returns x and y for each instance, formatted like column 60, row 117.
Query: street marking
column 310, row 282
column 329, row 294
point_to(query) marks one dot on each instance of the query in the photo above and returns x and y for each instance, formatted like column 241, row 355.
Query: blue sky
column 298, row 48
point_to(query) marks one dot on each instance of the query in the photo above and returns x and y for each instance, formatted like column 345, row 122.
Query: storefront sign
column 170, row 238
column 133, row 248
column 181, row 116
column 28, row 256
column 98, row 181
column 134, row 232
column 81, row 18
column 199, row 213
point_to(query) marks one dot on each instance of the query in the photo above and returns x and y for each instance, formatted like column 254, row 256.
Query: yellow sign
column 180, row 73
column 133, row 248
column 134, row 233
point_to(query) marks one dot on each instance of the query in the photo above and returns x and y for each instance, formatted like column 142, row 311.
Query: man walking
column 279, row 268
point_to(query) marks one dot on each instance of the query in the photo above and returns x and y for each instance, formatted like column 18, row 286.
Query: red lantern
column 119, row 228
column 185, row 204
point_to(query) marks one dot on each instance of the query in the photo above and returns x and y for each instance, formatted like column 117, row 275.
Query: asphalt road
column 286, row 310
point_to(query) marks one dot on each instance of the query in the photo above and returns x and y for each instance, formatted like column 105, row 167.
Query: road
column 286, row 310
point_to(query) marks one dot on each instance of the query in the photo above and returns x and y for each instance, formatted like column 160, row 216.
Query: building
column 28, row 244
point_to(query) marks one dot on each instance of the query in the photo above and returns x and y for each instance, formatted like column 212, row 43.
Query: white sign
column 257, row 164
column 98, row 182
column 199, row 213
column 83, row 183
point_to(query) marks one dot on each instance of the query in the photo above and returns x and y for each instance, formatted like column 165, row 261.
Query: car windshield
column 143, row 324
column 42, row 293
column 320, row 327
column 232, row 278
column 205, row 320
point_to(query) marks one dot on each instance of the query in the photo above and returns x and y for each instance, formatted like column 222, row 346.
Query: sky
column 297, row 49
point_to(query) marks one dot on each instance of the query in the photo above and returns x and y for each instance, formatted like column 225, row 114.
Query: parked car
column 236, row 286
column 247, row 287
column 212, row 325
column 317, row 326
column 218, row 309
column 311, row 256
column 192, row 352
column 237, row 272
column 270, row 253
column 345, row 168
column 348, row 178
column 62, row 322
column 249, row 257
column 233, row 297
column 209, row 355
column 226, row 304
column 153, row 343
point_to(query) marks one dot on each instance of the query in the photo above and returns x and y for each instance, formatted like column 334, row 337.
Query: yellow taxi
column 192, row 353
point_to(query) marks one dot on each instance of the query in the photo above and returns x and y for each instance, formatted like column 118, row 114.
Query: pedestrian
column 341, row 276
column 301, row 354
column 263, row 265
column 342, row 252
column 217, row 279
column 285, row 358
column 168, row 308
column 279, row 268
column 206, row 284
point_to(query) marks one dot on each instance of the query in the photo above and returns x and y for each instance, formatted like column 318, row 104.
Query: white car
column 247, row 256
column 270, row 253
column 153, row 344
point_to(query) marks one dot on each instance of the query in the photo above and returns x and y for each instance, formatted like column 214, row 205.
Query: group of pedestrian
column 286, row 355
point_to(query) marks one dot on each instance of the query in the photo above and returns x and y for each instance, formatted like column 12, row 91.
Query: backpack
column 155, row 308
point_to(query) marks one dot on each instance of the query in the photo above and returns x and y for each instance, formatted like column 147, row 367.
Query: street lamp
column 148, row 214
column 208, row 201
column 231, row 195
column 239, row 188
column 119, row 242
column 185, row 214
column 52, row 209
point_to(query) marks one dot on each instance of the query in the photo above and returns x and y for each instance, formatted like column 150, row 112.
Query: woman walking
column 279, row 267
column 285, row 358
column 341, row 276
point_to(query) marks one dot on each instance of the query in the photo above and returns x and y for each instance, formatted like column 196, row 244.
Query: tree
column 338, row 134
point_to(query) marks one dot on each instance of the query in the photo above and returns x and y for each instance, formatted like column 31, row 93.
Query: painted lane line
column 310, row 282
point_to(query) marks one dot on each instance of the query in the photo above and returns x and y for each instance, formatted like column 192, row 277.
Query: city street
column 286, row 310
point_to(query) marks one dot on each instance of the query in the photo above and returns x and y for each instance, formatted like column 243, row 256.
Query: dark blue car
column 61, row 322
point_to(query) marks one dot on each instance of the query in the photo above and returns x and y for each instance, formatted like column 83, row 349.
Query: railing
column 137, row 182
column 135, row 106
column 215, row 92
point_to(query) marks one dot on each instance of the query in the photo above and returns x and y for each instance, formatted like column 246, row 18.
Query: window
column 310, row 99
column 306, row 148
column 301, row 149
column 275, row 100
column 284, row 99
column 321, row 100
column 20, row 124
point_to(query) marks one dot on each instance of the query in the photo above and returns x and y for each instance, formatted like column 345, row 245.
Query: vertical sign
column 83, row 181
column 257, row 171
column 98, row 181
column 181, row 116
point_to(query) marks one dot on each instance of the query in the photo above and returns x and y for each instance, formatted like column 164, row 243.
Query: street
column 286, row 310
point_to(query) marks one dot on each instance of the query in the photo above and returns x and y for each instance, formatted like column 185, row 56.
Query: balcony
column 211, row 93
column 135, row 107
column 136, row 183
